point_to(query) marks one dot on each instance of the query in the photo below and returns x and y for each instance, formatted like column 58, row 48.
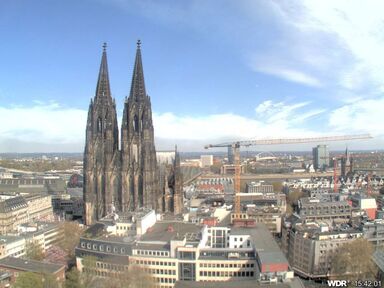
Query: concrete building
column 270, row 216
column 172, row 251
column 312, row 246
column 43, row 234
column 47, row 185
column 320, row 155
column 206, row 160
column 323, row 209
column 15, row 266
column 17, row 210
column 374, row 232
column 13, row 246
column 39, row 207
column 13, row 212
column 366, row 204
column 258, row 187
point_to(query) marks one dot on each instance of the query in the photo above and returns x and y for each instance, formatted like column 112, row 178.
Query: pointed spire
column 138, row 86
column 103, row 89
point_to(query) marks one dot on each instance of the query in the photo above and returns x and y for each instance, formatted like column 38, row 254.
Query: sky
column 216, row 71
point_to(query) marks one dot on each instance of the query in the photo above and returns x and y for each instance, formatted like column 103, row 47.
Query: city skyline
column 215, row 71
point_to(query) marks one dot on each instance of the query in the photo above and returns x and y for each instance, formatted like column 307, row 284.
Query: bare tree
column 353, row 261
column 72, row 232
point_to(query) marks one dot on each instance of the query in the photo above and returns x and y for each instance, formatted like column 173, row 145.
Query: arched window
column 135, row 124
column 99, row 125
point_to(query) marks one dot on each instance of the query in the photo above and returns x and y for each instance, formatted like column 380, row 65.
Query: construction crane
column 236, row 153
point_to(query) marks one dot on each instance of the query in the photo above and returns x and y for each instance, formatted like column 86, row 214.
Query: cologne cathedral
column 126, row 177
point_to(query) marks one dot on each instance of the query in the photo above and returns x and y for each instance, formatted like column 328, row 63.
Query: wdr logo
column 337, row 283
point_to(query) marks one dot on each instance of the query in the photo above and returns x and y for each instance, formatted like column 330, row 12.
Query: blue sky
column 215, row 70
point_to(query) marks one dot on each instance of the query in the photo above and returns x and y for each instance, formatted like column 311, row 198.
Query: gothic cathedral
column 126, row 179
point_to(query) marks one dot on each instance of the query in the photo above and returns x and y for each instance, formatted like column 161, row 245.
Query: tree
column 73, row 279
column 49, row 281
column 34, row 251
column 135, row 277
column 88, row 274
column 29, row 280
column 277, row 186
column 353, row 261
column 292, row 199
column 72, row 233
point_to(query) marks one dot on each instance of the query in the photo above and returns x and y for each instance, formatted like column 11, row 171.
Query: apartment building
column 312, row 246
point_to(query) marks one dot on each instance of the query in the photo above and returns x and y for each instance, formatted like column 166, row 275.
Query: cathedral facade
column 126, row 178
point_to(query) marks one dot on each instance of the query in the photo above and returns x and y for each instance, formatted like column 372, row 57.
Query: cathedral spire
column 138, row 87
column 103, row 89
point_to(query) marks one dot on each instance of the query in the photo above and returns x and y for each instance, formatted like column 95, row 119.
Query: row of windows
column 227, row 273
column 160, row 271
column 102, row 273
column 152, row 253
column 111, row 266
column 103, row 248
column 227, row 265
column 165, row 280
column 161, row 263
column 125, row 228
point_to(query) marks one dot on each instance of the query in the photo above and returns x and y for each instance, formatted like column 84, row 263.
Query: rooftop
column 30, row 265
column 266, row 247
column 12, row 204
column 166, row 231
column 9, row 238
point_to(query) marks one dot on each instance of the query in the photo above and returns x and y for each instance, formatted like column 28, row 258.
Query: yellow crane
column 236, row 153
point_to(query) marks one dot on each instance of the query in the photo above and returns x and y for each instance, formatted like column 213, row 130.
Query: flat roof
column 30, row 265
column 9, row 238
column 166, row 231
column 266, row 247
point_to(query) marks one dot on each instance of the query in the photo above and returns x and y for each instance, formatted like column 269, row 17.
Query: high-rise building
column 320, row 156
column 126, row 179
column 206, row 160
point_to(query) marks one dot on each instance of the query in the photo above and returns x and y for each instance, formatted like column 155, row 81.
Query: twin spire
column 103, row 88
column 137, row 92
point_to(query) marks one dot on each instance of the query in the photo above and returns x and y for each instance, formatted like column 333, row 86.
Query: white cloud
column 272, row 120
column 49, row 127
column 350, row 42
column 62, row 127
column 42, row 123
column 288, row 74
column 361, row 116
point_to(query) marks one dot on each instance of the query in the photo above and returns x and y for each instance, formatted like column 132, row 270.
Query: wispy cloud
column 361, row 116
column 350, row 41
column 288, row 74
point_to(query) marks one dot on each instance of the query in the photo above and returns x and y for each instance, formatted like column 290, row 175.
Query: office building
column 320, row 157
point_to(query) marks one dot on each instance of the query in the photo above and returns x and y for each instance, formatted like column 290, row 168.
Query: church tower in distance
column 139, row 173
column 101, row 155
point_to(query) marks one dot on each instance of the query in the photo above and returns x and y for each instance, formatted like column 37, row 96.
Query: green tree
column 34, row 251
column 73, row 279
column 353, row 261
column 49, row 281
column 29, row 280
column 88, row 275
